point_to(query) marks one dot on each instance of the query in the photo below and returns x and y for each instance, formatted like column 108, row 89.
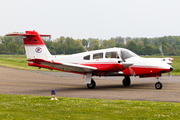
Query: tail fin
column 34, row 45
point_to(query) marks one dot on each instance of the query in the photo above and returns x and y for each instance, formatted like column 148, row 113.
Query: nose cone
column 171, row 68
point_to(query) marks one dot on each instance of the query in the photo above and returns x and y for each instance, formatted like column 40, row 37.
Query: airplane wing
column 62, row 66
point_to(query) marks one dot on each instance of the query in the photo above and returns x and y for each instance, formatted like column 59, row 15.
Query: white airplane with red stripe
column 104, row 62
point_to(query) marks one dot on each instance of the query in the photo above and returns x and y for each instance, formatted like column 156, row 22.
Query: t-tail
column 34, row 45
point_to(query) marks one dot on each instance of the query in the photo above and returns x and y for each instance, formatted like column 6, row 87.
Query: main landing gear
column 92, row 85
column 126, row 81
column 158, row 85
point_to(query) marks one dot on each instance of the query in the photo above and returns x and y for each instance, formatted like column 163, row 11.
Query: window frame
column 100, row 54
column 117, row 55
column 87, row 56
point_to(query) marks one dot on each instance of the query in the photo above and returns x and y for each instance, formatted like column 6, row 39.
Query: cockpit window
column 87, row 57
column 112, row 55
column 125, row 54
column 98, row 55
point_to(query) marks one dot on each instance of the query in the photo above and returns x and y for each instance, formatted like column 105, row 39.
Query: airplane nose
column 171, row 68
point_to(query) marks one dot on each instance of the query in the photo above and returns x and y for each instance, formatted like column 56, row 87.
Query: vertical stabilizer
column 34, row 45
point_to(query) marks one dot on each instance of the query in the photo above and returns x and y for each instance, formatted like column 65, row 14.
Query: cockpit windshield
column 125, row 54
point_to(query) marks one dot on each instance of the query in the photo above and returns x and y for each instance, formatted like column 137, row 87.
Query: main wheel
column 92, row 85
column 126, row 81
column 158, row 85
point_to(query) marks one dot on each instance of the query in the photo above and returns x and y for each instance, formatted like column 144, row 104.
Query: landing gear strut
column 92, row 85
column 126, row 81
column 158, row 85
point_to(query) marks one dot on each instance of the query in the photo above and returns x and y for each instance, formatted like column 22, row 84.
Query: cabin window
column 98, row 55
column 87, row 57
column 112, row 55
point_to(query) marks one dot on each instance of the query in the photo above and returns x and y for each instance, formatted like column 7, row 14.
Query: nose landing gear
column 158, row 85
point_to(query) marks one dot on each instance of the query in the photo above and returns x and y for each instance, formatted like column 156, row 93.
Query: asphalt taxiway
column 40, row 83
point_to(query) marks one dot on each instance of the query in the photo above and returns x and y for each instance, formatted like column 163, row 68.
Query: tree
column 140, row 46
column 164, row 42
column 105, row 43
column 121, row 45
column 145, row 42
column 149, row 50
column 84, row 43
column 21, row 51
column 3, row 48
column 119, row 39
column 95, row 44
column 62, row 39
column 111, row 43
column 173, row 45
column 64, row 48
column 131, row 45
column 172, row 50
column 69, row 41
column 52, row 50
column 12, row 47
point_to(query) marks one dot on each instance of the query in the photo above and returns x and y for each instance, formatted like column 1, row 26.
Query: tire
column 158, row 85
column 126, row 81
column 92, row 85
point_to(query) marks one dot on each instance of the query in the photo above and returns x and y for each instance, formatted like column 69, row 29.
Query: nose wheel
column 92, row 85
column 158, row 85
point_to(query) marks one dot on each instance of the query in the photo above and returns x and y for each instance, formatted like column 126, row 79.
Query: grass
column 18, row 62
column 37, row 107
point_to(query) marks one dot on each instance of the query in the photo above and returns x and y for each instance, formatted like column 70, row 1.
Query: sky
column 101, row 19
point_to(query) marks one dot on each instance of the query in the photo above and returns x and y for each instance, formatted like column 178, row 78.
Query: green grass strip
column 42, row 108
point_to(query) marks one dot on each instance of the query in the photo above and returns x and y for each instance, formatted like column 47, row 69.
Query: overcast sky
column 101, row 19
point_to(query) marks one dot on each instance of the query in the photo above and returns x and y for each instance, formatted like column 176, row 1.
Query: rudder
column 34, row 45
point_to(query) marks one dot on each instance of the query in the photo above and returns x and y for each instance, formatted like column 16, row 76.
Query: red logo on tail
column 38, row 50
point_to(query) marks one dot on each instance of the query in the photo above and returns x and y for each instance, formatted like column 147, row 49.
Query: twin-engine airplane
column 105, row 62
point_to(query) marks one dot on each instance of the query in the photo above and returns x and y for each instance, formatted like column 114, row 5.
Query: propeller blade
column 132, row 71
column 161, row 50
column 169, row 75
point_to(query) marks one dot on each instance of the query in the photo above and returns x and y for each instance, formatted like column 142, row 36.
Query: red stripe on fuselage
column 106, row 67
column 143, row 70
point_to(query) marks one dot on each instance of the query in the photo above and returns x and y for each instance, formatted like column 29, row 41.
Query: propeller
column 127, row 64
column 161, row 50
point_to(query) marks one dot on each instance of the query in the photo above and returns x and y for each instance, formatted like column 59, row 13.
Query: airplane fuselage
column 107, row 66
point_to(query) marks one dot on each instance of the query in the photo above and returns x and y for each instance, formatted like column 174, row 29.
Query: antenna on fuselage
column 84, row 47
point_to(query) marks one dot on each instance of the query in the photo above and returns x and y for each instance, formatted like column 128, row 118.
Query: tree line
column 68, row 45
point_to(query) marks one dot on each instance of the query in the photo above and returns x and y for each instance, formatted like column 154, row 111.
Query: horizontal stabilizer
column 29, row 34
column 17, row 34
